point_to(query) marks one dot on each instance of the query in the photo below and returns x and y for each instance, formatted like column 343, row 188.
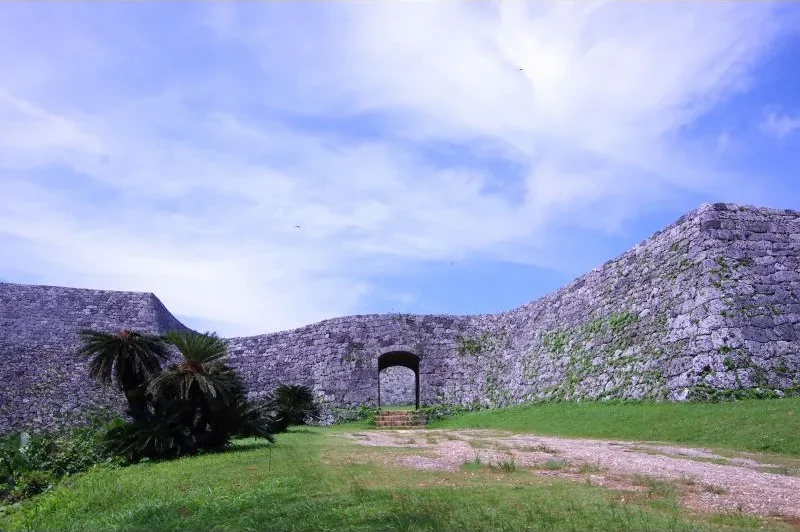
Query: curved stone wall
column 710, row 302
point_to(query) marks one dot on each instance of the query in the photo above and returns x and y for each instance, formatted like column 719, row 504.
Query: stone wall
column 397, row 386
column 711, row 302
column 43, row 383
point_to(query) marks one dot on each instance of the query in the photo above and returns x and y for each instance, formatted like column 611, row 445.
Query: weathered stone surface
column 397, row 386
column 712, row 300
column 42, row 382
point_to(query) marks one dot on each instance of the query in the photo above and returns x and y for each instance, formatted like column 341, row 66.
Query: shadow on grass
column 303, row 431
column 248, row 444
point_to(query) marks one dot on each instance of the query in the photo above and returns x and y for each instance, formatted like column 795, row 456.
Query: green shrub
column 30, row 464
column 293, row 405
column 33, row 483
column 365, row 414
column 161, row 435
column 67, row 452
column 444, row 411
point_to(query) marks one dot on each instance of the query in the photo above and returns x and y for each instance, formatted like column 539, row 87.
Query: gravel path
column 707, row 481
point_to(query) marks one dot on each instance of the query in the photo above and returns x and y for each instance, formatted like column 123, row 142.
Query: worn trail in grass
column 315, row 480
column 707, row 481
column 767, row 425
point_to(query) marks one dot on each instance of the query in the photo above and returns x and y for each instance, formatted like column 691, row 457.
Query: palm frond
column 128, row 358
column 198, row 348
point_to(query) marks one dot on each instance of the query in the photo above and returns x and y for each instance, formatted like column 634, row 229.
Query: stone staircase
column 400, row 419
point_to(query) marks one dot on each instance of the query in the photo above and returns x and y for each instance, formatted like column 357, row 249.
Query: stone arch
column 399, row 356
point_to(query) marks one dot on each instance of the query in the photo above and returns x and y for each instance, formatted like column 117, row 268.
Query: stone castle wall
column 43, row 382
column 711, row 302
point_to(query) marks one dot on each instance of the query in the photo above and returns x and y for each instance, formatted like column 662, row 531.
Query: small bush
column 31, row 464
column 67, row 452
column 444, row 411
column 293, row 405
column 161, row 435
column 33, row 483
column 365, row 414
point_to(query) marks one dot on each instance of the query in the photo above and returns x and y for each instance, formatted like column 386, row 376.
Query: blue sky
column 437, row 157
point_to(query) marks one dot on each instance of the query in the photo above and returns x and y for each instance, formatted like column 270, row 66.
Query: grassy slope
column 314, row 480
column 771, row 425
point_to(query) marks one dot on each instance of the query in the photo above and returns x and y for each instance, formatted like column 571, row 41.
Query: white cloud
column 780, row 125
column 193, row 188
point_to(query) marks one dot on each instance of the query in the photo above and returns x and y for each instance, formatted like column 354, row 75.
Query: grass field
column 761, row 425
column 313, row 479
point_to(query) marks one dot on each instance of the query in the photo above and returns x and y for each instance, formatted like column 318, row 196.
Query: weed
column 656, row 487
column 538, row 448
column 717, row 490
column 473, row 346
column 587, row 468
column 506, row 466
column 554, row 465
column 472, row 465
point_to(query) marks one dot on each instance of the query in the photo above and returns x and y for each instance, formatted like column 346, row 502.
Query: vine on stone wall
column 572, row 345
column 474, row 345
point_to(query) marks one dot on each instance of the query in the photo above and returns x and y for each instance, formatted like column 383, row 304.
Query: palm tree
column 204, row 369
column 128, row 358
column 293, row 405
column 205, row 382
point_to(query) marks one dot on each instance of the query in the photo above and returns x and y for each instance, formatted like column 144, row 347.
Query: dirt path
column 706, row 480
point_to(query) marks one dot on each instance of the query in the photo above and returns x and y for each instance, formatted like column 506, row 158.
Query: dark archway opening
column 404, row 359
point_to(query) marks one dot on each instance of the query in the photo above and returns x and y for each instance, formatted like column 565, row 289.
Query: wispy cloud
column 261, row 166
column 780, row 124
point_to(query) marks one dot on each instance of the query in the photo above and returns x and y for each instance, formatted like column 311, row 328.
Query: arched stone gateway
column 404, row 359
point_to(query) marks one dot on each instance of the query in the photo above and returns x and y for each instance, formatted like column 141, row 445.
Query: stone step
column 402, row 418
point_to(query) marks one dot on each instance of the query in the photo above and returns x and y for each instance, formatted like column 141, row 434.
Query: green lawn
column 762, row 425
column 312, row 479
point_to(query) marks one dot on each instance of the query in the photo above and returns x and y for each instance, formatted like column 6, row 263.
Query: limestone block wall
column 43, row 383
column 711, row 302
column 397, row 386
column 339, row 357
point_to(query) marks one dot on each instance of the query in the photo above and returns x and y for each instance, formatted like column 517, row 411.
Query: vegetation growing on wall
column 577, row 348
column 474, row 345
